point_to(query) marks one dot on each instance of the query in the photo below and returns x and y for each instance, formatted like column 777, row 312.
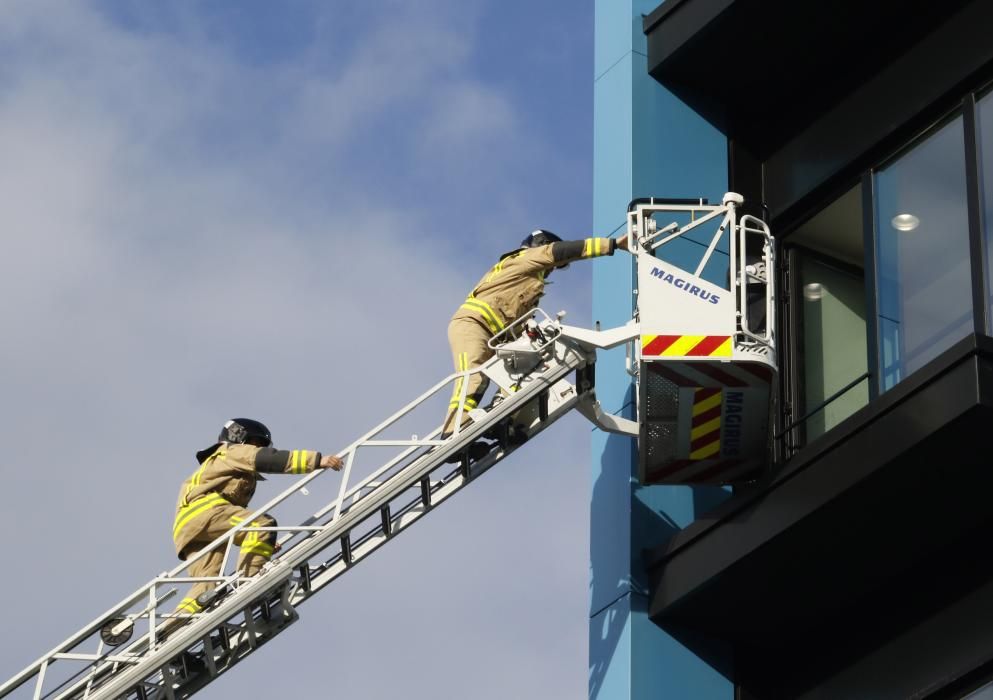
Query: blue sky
column 272, row 209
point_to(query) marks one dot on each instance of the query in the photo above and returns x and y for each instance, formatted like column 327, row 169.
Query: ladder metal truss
column 102, row 662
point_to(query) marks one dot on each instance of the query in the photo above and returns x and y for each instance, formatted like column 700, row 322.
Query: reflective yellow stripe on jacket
column 492, row 318
column 201, row 505
column 298, row 462
column 198, row 476
column 592, row 248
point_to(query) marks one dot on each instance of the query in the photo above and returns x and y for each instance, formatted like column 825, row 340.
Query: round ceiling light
column 813, row 291
column 905, row 222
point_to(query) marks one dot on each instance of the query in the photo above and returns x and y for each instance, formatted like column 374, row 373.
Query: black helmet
column 238, row 430
column 539, row 237
column 241, row 430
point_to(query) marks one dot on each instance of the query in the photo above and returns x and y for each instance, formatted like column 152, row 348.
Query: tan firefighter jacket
column 228, row 477
column 515, row 284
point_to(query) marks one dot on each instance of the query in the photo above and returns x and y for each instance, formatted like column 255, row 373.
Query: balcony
column 869, row 537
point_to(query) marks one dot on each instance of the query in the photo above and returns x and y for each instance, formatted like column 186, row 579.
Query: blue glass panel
column 923, row 272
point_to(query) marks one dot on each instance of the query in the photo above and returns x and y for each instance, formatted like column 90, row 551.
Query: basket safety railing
column 643, row 227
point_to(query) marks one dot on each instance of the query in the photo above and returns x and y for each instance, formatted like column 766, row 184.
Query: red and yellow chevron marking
column 686, row 345
column 705, row 428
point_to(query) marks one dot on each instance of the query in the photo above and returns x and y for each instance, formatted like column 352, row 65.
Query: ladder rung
column 207, row 655
column 305, row 577
column 384, row 514
column 426, row 491
column 346, row 548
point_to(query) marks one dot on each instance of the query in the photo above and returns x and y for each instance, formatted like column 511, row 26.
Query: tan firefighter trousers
column 467, row 338
column 256, row 548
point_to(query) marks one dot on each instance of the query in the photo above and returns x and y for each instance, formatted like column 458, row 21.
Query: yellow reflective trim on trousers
column 492, row 318
column 587, row 247
column 470, row 403
column 189, row 512
column 462, row 365
column 189, row 605
column 263, row 548
column 597, row 247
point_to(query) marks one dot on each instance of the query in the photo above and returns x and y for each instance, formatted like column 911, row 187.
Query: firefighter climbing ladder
column 363, row 516
column 123, row 653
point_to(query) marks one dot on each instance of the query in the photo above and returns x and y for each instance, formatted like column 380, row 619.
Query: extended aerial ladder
column 122, row 653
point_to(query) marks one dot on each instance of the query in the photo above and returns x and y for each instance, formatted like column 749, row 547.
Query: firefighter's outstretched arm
column 565, row 252
column 273, row 461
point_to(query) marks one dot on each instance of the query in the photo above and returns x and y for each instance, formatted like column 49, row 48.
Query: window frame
column 787, row 439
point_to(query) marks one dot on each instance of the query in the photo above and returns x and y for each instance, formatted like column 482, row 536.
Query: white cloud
column 185, row 237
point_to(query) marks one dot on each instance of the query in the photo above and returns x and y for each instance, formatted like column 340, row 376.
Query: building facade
column 855, row 565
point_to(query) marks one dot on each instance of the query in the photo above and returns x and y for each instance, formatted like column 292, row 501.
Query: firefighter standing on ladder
column 215, row 498
column 509, row 290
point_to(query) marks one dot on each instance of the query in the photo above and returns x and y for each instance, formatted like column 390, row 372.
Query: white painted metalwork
column 369, row 507
column 377, row 498
column 706, row 367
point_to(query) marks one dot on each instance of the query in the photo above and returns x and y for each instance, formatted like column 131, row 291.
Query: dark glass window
column 828, row 322
column 922, row 238
column 984, row 116
column 834, row 342
column 984, row 693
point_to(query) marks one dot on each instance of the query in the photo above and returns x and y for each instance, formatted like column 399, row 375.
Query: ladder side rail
column 376, row 537
column 71, row 642
column 414, row 472
column 768, row 257
column 336, row 504
column 275, row 501
column 372, row 477
column 449, row 488
column 429, row 441
column 87, row 631
column 282, row 569
column 301, row 483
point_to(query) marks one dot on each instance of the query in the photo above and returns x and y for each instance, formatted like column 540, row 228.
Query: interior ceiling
column 836, row 230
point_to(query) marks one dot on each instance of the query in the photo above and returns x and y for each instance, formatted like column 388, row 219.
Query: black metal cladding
column 861, row 569
column 808, row 89
column 872, row 530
